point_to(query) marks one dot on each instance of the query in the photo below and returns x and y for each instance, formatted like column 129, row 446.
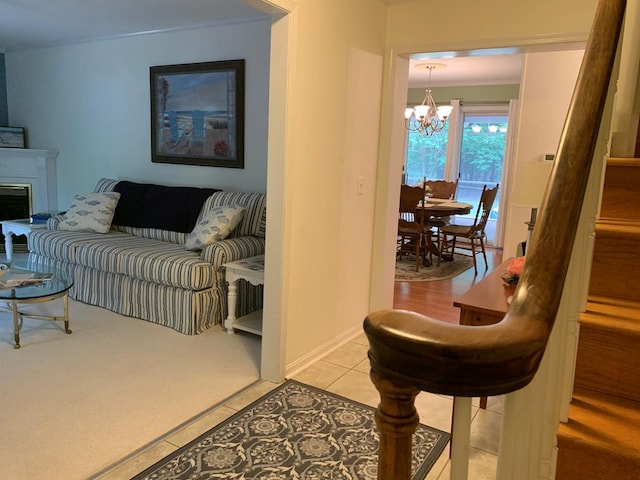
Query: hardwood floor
column 435, row 298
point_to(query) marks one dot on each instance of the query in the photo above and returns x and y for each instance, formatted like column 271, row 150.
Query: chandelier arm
column 430, row 119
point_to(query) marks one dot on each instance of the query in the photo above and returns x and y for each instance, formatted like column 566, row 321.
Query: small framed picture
column 11, row 137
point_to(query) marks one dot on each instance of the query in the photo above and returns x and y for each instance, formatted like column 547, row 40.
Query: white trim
column 507, row 169
column 276, row 289
column 451, row 167
column 322, row 351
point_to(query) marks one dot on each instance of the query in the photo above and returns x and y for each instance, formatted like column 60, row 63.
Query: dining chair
column 411, row 223
column 440, row 189
column 474, row 234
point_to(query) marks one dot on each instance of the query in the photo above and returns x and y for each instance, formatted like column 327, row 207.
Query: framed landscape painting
column 11, row 137
column 197, row 114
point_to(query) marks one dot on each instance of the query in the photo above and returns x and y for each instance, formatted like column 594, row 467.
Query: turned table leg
column 8, row 245
column 232, row 297
column 397, row 420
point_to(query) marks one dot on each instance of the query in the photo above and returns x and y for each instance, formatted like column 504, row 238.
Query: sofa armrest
column 232, row 249
column 54, row 221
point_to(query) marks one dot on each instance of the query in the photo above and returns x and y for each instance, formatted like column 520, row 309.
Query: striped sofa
column 147, row 273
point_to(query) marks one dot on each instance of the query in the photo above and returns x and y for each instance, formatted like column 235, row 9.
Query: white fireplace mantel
column 34, row 167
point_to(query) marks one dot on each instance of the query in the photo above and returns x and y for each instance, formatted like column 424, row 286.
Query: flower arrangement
column 221, row 148
column 514, row 270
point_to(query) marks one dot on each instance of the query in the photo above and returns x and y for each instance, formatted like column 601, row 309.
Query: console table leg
column 231, row 304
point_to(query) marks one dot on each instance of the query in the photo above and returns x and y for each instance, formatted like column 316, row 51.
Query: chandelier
column 427, row 118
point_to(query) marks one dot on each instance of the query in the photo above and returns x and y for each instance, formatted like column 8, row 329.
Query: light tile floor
column 344, row 372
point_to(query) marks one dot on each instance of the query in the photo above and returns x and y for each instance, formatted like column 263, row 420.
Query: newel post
column 397, row 420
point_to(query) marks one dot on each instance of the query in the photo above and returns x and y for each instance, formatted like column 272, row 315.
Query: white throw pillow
column 215, row 225
column 90, row 212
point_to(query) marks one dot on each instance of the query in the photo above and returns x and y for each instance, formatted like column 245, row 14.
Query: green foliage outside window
column 426, row 156
column 481, row 154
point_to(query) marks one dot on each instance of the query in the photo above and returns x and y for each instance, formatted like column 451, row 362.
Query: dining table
column 441, row 207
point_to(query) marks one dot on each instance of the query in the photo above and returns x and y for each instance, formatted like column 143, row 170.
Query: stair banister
column 410, row 352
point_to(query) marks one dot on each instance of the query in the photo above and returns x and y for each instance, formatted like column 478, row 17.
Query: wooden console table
column 486, row 302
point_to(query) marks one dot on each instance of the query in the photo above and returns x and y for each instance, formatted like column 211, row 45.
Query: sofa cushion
column 152, row 233
column 171, row 265
column 254, row 219
column 63, row 246
column 216, row 224
column 161, row 207
column 90, row 212
column 154, row 261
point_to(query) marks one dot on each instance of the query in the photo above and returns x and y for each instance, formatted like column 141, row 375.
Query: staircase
column 602, row 437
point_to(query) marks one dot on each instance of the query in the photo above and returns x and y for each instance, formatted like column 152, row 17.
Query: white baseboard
column 321, row 351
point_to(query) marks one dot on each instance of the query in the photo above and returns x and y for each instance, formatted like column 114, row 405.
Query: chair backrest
column 198, row 123
column 410, row 197
column 442, row 188
column 487, row 198
column 173, row 124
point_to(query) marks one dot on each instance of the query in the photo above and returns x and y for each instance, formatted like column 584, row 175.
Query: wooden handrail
column 410, row 352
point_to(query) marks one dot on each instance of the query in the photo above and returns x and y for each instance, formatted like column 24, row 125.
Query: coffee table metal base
column 12, row 306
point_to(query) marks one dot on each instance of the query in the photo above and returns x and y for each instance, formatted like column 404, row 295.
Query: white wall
column 334, row 109
column 469, row 24
column 91, row 102
column 548, row 80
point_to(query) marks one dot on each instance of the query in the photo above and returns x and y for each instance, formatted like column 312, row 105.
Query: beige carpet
column 71, row 405
column 406, row 269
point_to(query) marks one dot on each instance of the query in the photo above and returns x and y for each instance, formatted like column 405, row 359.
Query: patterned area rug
column 294, row 432
column 406, row 269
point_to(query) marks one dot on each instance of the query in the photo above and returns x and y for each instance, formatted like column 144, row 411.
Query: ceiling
column 27, row 24
column 464, row 70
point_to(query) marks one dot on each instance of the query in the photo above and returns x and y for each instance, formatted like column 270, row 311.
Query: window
column 477, row 156
column 426, row 156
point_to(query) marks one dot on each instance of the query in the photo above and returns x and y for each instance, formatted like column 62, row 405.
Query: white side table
column 252, row 270
column 17, row 227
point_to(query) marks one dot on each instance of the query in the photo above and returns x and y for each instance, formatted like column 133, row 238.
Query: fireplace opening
column 15, row 203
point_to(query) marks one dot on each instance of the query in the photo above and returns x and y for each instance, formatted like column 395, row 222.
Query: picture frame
column 12, row 137
column 197, row 113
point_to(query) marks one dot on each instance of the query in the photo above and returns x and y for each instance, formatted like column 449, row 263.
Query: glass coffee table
column 40, row 283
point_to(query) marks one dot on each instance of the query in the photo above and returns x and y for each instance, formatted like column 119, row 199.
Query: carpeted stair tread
column 619, row 199
column 615, row 261
column 601, row 439
column 623, row 315
column 615, row 227
column 607, row 360
column 613, row 306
